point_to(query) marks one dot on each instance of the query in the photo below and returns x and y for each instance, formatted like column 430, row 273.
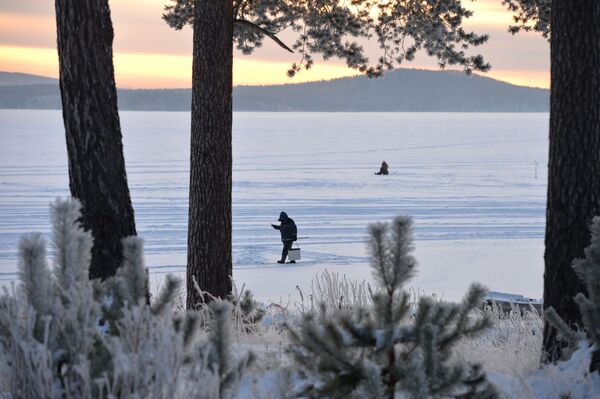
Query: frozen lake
column 470, row 182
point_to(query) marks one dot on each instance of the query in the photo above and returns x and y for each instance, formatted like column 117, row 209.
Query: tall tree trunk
column 89, row 101
column 209, row 225
column 574, row 161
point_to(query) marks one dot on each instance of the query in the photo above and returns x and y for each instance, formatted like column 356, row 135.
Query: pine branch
column 133, row 270
column 166, row 295
column 249, row 25
column 36, row 279
column 384, row 351
column 563, row 329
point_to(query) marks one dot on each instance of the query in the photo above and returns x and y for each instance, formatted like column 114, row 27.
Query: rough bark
column 89, row 101
column 209, row 225
column 574, row 160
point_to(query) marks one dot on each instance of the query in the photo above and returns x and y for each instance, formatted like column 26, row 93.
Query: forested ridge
column 408, row 90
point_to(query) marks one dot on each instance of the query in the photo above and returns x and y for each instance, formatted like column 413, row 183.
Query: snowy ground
column 469, row 180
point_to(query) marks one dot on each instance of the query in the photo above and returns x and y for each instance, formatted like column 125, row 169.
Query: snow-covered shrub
column 25, row 362
column 146, row 356
column 588, row 270
column 220, row 358
column 64, row 336
column 385, row 350
column 569, row 379
column 247, row 312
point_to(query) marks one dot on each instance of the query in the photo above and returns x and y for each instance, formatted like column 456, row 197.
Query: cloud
column 29, row 7
column 140, row 31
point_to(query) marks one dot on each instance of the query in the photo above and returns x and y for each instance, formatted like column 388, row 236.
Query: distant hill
column 16, row 79
column 402, row 90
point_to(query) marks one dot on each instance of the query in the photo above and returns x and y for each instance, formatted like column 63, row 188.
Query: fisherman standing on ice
column 289, row 234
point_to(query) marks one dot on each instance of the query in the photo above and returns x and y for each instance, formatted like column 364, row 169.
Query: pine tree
column 327, row 27
column 378, row 352
column 220, row 357
column 97, row 174
column 574, row 160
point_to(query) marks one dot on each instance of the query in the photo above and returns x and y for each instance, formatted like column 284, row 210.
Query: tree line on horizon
column 404, row 90
column 332, row 29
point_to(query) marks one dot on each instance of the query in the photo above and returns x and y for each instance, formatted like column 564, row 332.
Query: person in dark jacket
column 384, row 169
column 289, row 234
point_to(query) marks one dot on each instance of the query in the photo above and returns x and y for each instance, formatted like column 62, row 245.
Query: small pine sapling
column 251, row 309
column 53, row 343
column 128, row 287
column 133, row 271
column 588, row 270
column 26, row 364
column 36, row 279
column 246, row 311
column 74, row 317
column 220, row 358
column 48, row 327
column 378, row 352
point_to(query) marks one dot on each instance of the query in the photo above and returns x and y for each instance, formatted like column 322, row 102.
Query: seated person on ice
column 384, row 169
column 289, row 234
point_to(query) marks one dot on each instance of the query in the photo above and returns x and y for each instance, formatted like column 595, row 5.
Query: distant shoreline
column 402, row 90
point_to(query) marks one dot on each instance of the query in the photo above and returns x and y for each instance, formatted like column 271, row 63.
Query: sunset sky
column 149, row 54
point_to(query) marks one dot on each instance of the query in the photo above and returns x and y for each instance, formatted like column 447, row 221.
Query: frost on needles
column 64, row 336
column 396, row 346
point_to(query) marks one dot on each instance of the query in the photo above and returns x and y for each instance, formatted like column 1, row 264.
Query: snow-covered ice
column 469, row 181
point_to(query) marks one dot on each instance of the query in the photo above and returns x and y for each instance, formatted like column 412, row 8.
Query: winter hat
column 282, row 216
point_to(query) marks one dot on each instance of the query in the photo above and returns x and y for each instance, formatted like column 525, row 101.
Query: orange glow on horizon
column 36, row 61
column 147, row 71
column 165, row 71
column 522, row 77
column 149, row 54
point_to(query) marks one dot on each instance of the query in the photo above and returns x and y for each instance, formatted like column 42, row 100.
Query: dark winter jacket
column 384, row 169
column 287, row 228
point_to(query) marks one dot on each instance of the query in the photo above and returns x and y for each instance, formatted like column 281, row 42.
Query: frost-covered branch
column 55, row 342
column 379, row 352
